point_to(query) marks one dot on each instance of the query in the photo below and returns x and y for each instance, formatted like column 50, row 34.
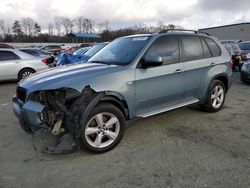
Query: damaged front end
column 43, row 109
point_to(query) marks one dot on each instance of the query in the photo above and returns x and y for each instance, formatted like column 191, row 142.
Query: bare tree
column 50, row 29
column 103, row 26
column 28, row 24
column 57, row 20
column 88, row 25
column 67, row 24
column 71, row 26
column 106, row 25
column 2, row 27
column 79, row 21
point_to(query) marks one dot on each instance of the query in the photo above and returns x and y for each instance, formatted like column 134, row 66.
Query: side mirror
column 151, row 61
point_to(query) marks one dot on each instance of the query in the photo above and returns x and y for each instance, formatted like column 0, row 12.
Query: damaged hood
column 72, row 76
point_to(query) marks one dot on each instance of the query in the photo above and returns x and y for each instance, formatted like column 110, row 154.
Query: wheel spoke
column 111, row 135
column 91, row 130
column 213, row 97
column 99, row 119
column 216, row 90
column 220, row 99
column 220, row 92
column 98, row 140
column 214, row 102
column 111, row 122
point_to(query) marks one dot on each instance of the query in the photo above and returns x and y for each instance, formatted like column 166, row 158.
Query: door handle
column 130, row 82
column 212, row 64
column 178, row 71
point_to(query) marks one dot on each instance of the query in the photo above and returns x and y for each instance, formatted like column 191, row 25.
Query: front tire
column 102, row 130
column 215, row 97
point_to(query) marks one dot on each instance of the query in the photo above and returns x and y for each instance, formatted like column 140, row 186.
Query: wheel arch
column 118, row 100
column 223, row 78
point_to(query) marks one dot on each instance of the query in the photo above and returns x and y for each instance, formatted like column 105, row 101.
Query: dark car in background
column 232, row 47
column 3, row 45
column 245, row 72
column 35, row 52
column 245, row 50
column 52, row 49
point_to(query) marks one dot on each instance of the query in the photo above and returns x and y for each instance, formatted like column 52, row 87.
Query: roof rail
column 185, row 30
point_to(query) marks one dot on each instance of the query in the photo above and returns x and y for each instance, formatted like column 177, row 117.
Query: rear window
column 192, row 48
column 7, row 55
column 244, row 46
column 207, row 53
column 31, row 52
column 214, row 48
column 53, row 47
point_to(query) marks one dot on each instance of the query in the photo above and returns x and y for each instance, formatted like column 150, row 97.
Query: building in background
column 240, row 31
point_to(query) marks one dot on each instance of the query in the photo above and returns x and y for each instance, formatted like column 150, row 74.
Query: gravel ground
column 181, row 148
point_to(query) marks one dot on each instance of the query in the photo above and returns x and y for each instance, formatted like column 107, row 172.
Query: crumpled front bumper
column 29, row 115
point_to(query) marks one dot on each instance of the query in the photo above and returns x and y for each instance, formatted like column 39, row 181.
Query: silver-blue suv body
column 132, row 77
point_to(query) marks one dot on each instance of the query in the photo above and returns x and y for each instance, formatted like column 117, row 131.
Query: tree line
column 28, row 30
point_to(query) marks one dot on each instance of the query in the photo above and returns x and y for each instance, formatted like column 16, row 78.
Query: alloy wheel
column 102, row 130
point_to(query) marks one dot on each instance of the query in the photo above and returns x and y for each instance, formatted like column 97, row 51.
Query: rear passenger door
column 163, row 86
column 9, row 64
column 197, row 59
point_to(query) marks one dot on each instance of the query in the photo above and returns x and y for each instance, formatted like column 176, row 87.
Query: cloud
column 191, row 14
column 231, row 6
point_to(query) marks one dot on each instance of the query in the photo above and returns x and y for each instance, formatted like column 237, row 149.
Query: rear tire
column 24, row 73
column 215, row 97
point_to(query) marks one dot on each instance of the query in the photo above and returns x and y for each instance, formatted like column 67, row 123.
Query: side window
column 7, row 55
column 167, row 47
column 207, row 53
column 214, row 48
column 192, row 48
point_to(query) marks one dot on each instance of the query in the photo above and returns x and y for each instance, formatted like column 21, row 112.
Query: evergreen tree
column 17, row 28
column 37, row 29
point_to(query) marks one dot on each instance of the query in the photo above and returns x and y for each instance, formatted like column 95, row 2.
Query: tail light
column 231, row 64
column 44, row 61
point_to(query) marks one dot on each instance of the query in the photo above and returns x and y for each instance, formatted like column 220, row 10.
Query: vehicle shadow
column 8, row 82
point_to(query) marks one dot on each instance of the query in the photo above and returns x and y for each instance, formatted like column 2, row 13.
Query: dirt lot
column 181, row 148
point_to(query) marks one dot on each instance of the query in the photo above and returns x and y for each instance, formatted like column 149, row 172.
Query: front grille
column 21, row 93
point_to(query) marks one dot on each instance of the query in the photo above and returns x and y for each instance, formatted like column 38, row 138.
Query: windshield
column 81, row 51
column 244, row 46
column 121, row 51
column 92, row 51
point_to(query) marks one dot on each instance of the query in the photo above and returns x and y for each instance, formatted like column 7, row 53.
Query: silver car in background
column 16, row 65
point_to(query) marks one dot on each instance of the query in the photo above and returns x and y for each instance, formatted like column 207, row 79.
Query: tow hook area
column 57, row 128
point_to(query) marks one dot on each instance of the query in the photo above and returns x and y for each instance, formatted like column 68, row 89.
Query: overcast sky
column 191, row 14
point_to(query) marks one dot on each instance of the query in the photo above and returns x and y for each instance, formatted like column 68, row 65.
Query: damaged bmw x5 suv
column 132, row 77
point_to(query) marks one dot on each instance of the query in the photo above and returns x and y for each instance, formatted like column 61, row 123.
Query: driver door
column 160, row 87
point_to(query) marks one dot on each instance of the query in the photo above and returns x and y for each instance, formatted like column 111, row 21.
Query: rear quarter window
column 192, row 48
column 7, row 55
column 214, row 48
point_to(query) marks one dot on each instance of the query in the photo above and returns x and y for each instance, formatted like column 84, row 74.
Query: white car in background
column 16, row 65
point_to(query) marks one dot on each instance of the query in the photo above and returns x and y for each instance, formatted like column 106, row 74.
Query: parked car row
column 20, row 63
